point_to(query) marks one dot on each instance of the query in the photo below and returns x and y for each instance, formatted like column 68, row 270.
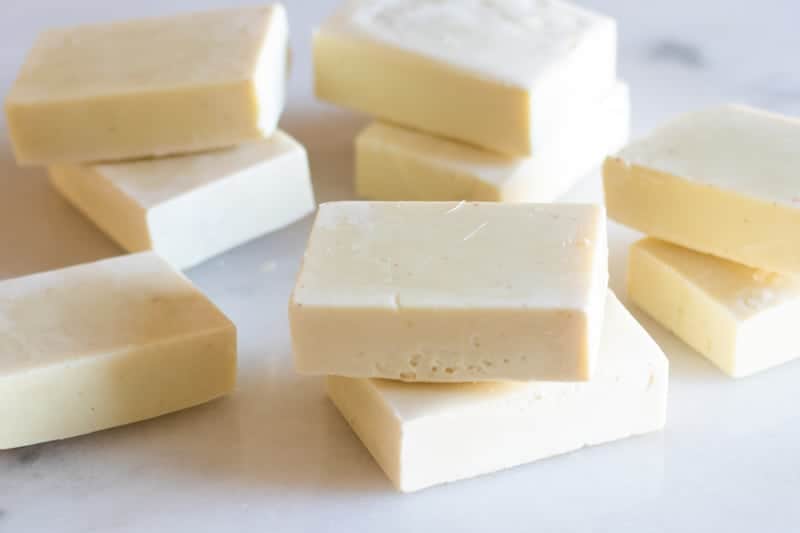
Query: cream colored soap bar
column 190, row 208
column 105, row 344
column 150, row 87
column 395, row 163
column 744, row 320
column 451, row 291
column 725, row 181
column 426, row 434
column 425, row 64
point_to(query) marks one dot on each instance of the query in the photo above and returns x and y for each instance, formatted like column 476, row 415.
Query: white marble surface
column 276, row 456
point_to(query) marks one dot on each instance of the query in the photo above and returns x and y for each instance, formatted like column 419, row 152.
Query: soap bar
column 425, row 64
column 150, row 87
column 744, row 320
column 723, row 181
column 192, row 207
column 396, row 163
column 425, row 434
column 451, row 291
column 104, row 344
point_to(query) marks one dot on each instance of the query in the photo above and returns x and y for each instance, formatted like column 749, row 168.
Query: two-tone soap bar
column 192, row 207
column 150, row 87
column 723, row 181
column 451, row 291
column 428, row 65
column 398, row 163
column 104, row 344
column 424, row 434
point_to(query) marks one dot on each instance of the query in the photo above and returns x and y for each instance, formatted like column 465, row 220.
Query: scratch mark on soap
column 29, row 454
column 677, row 52
column 475, row 231
column 3, row 514
column 455, row 208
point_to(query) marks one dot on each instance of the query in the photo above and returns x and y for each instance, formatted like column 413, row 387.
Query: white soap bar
column 150, row 87
column 190, row 208
column 451, row 291
column 396, row 163
column 724, row 181
column 425, row 434
column 744, row 320
column 502, row 75
column 105, row 344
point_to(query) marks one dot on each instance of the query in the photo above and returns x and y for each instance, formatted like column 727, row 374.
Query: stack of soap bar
column 150, row 87
column 192, row 207
column 722, row 183
column 490, row 101
column 433, row 319
column 396, row 163
column 446, row 291
column 426, row 434
column 202, row 93
column 743, row 319
column 104, row 344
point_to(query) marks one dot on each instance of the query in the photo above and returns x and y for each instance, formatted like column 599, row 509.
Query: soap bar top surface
column 736, row 148
column 208, row 48
column 98, row 307
column 453, row 255
column 528, row 37
column 153, row 181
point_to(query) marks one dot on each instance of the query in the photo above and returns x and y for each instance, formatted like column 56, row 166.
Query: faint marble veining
column 29, row 454
column 779, row 92
column 677, row 52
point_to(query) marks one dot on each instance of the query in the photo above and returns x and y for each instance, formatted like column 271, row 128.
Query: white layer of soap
column 193, row 207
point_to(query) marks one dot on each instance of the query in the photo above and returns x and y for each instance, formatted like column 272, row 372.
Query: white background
column 276, row 456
